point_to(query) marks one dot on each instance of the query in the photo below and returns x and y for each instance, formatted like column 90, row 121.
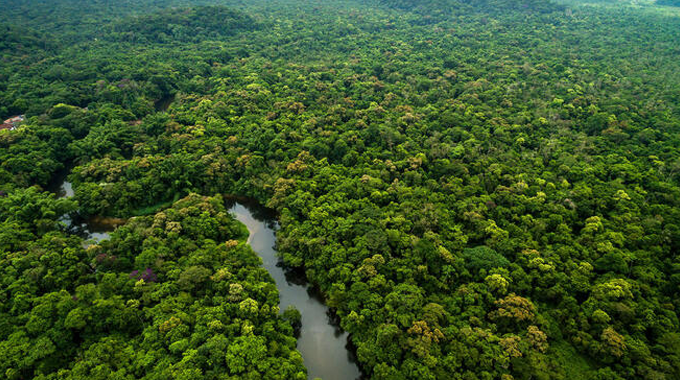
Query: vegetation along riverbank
column 478, row 189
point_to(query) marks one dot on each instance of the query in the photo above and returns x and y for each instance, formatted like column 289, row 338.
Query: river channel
column 324, row 346
column 94, row 229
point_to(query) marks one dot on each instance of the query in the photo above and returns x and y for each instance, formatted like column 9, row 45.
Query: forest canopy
column 183, row 25
column 673, row 3
column 477, row 189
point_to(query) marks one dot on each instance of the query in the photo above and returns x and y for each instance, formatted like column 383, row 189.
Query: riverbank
column 325, row 348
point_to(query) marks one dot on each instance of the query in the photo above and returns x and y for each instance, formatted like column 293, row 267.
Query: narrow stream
column 324, row 347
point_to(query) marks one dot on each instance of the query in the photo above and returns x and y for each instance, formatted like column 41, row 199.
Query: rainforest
column 349, row 189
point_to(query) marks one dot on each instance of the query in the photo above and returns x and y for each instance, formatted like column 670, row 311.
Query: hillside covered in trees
column 479, row 189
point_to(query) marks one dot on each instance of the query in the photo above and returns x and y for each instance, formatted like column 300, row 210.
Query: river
column 94, row 229
column 324, row 347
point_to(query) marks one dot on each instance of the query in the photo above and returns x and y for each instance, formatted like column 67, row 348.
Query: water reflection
column 65, row 190
column 324, row 346
column 94, row 229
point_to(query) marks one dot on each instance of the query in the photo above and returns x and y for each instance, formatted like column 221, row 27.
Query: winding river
column 324, row 346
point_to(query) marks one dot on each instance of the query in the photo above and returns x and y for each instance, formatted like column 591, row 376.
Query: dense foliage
column 168, row 296
column 183, row 25
column 481, row 190
column 673, row 3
